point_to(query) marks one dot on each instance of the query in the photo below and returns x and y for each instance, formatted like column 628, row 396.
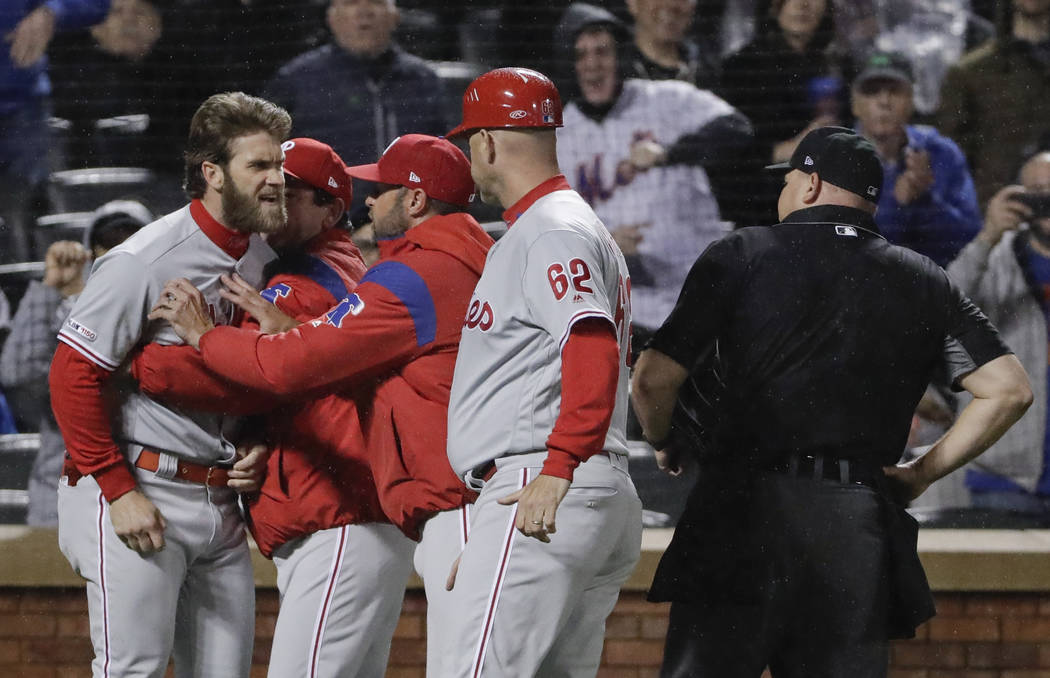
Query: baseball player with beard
column 341, row 566
column 148, row 510
column 538, row 406
column 390, row 347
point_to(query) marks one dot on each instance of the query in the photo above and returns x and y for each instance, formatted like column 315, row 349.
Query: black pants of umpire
column 812, row 601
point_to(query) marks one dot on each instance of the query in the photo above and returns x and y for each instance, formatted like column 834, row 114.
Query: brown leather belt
column 214, row 476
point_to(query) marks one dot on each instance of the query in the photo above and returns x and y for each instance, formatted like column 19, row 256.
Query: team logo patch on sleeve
column 271, row 294
column 352, row 305
column 83, row 331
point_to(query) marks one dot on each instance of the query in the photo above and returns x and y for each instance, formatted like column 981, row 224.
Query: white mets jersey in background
column 671, row 206
column 109, row 320
column 555, row 265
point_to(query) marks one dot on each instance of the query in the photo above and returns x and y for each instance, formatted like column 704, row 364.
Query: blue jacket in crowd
column 331, row 95
column 943, row 220
column 20, row 84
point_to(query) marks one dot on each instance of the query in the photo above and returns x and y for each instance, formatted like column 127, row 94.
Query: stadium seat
column 83, row 190
column 455, row 76
column 17, row 452
column 117, row 141
column 65, row 226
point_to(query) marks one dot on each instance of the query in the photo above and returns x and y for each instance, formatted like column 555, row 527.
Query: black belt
column 819, row 467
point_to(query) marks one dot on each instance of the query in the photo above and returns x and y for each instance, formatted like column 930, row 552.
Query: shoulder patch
column 351, row 305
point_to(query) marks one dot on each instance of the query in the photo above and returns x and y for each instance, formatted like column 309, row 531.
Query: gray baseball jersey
column 195, row 598
column 109, row 320
column 557, row 264
column 671, row 206
column 522, row 607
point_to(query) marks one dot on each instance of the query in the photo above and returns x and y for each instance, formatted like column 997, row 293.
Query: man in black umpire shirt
column 791, row 552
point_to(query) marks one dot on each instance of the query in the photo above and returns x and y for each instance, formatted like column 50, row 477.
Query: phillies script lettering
column 479, row 315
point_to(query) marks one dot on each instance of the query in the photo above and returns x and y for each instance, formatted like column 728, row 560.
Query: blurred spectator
column 120, row 68
column 787, row 82
column 26, row 357
column 161, row 59
column 663, row 48
column 933, row 34
column 1006, row 271
column 7, row 419
column 241, row 43
column 27, row 27
column 360, row 91
column 929, row 203
column 994, row 102
column 636, row 151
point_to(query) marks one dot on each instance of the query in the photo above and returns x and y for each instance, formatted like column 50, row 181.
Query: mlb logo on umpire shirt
column 846, row 230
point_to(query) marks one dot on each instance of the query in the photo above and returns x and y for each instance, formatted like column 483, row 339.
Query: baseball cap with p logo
column 422, row 161
column 841, row 157
column 316, row 164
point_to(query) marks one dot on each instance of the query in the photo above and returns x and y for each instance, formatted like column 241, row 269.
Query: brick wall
column 44, row 634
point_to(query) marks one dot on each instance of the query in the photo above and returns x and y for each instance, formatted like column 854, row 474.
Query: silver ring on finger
column 537, row 522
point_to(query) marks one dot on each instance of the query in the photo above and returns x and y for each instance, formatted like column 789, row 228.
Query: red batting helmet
column 510, row 97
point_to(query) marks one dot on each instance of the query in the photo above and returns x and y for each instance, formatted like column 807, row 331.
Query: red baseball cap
column 431, row 163
column 316, row 164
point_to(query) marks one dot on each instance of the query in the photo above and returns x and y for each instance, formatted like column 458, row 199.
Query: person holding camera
column 1005, row 270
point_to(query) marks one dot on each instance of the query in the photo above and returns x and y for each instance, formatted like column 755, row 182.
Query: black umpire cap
column 841, row 157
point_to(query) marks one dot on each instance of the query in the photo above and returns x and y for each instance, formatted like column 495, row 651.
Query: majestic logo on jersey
column 593, row 187
column 352, row 305
column 271, row 293
column 479, row 315
column 85, row 332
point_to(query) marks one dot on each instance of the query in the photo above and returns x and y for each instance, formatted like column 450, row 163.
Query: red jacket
column 315, row 479
column 391, row 346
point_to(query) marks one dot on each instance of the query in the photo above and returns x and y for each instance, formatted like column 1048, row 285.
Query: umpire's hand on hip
column 137, row 522
column 537, row 504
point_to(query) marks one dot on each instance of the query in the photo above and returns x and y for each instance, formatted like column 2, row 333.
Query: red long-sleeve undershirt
column 590, row 369
column 80, row 409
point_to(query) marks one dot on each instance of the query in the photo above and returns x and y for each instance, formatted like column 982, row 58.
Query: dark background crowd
column 953, row 93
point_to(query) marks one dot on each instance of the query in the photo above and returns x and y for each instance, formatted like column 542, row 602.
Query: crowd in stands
column 673, row 108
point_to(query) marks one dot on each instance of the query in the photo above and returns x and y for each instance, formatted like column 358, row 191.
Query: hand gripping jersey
column 671, row 204
column 556, row 265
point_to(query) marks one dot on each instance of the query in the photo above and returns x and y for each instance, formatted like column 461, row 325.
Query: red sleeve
column 77, row 400
column 590, row 370
column 356, row 339
column 304, row 300
column 177, row 375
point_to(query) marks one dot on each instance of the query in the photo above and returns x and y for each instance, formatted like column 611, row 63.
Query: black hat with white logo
column 841, row 157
